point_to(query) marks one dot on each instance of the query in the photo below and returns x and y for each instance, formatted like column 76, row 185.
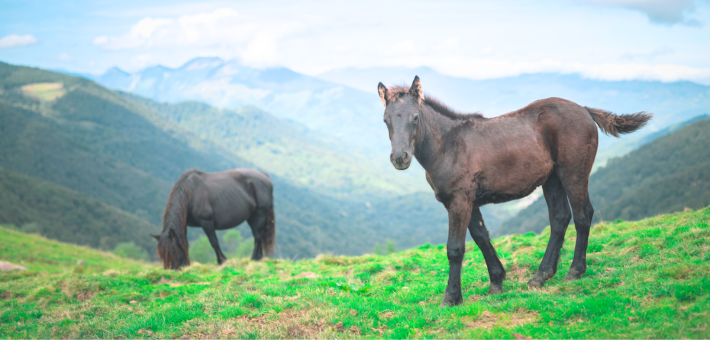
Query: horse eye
column 416, row 117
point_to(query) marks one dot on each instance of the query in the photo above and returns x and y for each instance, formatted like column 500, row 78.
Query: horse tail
column 172, row 243
column 613, row 124
column 269, row 233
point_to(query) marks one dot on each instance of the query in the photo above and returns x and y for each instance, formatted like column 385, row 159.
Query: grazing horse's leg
column 459, row 209
column 480, row 235
column 583, row 213
column 257, row 222
column 558, row 209
column 208, row 227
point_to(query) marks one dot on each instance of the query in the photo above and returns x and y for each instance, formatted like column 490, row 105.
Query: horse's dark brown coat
column 471, row 161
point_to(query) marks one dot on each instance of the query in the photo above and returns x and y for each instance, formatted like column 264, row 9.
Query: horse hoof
column 450, row 301
column 535, row 283
column 572, row 275
column 495, row 289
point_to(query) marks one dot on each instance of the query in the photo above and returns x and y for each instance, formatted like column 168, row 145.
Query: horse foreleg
column 480, row 235
column 208, row 227
column 459, row 216
column 257, row 222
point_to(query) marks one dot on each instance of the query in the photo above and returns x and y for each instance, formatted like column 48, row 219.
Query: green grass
column 644, row 279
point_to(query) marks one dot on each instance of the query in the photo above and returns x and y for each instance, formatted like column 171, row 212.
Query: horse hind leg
column 479, row 233
column 257, row 223
column 583, row 213
column 560, row 215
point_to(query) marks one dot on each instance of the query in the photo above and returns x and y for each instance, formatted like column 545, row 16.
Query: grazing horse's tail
column 612, row 124
column 269, row 233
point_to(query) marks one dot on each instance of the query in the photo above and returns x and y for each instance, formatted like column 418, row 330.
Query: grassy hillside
column 42, row 257
column 663, row 176
column 58, row 213
column 645, row 279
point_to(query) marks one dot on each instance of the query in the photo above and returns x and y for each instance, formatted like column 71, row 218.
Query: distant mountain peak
column 201, row 63
column 116, row 70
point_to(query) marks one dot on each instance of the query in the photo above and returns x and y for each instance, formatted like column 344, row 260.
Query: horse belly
column 232, row 207
column 515, row 180
column 232, row 217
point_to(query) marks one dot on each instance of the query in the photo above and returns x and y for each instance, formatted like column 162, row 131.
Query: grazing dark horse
column 471, row 161
column 217, row 201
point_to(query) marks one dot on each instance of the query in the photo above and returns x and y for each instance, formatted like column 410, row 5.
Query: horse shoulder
column 200, row 204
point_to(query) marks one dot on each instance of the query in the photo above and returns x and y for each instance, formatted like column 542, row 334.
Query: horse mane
column 175, row 219
column 394, row 92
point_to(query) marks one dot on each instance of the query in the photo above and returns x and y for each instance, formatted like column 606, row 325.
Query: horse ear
column 416, row 89
column 382, row 90
column 156, row 237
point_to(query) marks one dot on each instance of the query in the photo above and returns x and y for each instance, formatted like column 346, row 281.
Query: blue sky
column 600, row 39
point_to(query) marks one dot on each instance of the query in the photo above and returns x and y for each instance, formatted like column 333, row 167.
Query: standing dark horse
column 471, row 161
column 217, row 201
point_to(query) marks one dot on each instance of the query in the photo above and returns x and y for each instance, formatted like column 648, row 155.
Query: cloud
column 312, row 40
column 660, row 12
column 254, row 40
column 64, row 57
column 489, row 68
column 14, row 40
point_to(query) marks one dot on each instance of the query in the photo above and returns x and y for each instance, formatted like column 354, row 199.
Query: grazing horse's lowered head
column 172, row 249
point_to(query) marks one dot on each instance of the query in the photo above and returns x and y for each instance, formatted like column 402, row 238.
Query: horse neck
column 433, row 127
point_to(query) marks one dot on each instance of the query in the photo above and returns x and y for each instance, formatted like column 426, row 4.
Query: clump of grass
column 644, row 279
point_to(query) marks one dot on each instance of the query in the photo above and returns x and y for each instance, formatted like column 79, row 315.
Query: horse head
column 402, row 109
column 172, row 249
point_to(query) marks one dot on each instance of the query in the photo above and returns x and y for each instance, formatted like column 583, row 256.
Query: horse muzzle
column 401, row 159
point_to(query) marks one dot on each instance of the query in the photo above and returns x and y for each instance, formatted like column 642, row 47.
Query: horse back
column 230, row 197
column 515, row 153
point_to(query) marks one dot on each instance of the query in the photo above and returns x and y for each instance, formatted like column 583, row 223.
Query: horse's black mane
column 174, row 217
column 395, row 92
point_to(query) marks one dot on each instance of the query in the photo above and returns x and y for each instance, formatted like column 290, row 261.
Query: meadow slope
column 645, row 279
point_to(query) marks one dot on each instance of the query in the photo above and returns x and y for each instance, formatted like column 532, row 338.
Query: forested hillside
column 666, row 175
column 37, row 206
column 290, row 150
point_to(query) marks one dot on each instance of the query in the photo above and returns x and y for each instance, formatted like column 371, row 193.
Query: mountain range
column 341, row 108
column 336, row 191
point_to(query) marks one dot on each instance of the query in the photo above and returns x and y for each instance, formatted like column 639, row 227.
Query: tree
column 131, row 251
column 201, row 251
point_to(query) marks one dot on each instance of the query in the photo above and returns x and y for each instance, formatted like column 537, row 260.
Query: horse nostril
column 406, row 155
